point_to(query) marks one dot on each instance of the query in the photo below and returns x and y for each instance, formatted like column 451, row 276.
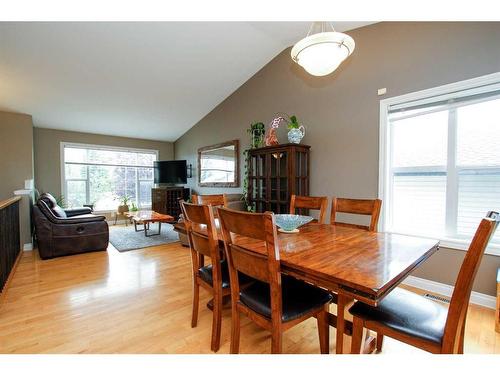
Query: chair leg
column 380, row 342
column 235, row 331
column 276, row 341
column 216, row 321
column 196, row 302
column 324, row 331
column 357, row 335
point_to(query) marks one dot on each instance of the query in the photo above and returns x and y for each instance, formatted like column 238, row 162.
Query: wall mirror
column 218, row 165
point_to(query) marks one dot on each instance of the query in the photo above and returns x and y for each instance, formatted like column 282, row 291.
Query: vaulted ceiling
column 150, row 80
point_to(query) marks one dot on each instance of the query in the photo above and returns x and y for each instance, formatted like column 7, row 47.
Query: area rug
column 125, row 238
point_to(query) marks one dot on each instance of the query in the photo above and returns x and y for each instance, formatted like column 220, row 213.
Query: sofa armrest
column 70, row 212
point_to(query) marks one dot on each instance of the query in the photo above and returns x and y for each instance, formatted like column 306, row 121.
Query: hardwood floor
column 140, row 302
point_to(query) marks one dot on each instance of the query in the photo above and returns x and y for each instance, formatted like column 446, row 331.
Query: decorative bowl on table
column 288, row 223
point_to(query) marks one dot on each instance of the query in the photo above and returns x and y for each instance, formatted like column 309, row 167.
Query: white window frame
column 104, row 148
column 385, row 145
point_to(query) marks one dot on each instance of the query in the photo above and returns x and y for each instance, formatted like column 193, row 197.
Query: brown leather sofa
column 64, row 232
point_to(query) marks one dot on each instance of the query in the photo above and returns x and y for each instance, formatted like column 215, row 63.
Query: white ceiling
column 141, row 80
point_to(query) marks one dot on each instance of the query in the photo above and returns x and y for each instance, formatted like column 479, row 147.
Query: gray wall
column 48, row 155
column 16, row 163
column 341, row 111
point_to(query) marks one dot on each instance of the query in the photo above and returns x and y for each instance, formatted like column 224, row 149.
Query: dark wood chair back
column 310, row 203
column 368, row 207
column 201, row 230
column 237, row 229
column 203, row 240
column 214, row 200
column 457, row 312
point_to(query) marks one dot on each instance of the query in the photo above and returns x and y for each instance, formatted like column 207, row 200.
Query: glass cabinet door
column 278, row 180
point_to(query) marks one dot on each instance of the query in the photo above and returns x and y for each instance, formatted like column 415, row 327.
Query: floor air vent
column 437, row 298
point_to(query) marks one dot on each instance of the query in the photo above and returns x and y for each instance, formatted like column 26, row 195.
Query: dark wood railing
column 10, row 244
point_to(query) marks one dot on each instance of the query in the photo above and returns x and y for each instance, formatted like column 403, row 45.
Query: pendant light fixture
column 321, row 52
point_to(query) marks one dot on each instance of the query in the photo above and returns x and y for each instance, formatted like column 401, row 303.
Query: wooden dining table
column 354, row 263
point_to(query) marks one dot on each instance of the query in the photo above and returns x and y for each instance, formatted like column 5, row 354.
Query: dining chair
column 210, row 199
column 367, row 207
column 310, row 203
column 420, row 322
column 203, row 241
column 275, row 302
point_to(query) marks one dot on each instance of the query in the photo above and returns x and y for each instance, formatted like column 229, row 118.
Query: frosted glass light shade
column 320, row 54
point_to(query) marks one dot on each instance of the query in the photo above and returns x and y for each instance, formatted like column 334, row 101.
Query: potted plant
column 296, row 131
column 134, row 208
column 257, row 131
column 123, row 207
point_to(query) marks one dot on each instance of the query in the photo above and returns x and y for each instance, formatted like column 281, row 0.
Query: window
column 102, row 175
column 440, row 160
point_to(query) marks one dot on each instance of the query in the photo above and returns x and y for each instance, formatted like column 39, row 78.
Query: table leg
column 135, row 226
column 148, row 231
column 342, row 303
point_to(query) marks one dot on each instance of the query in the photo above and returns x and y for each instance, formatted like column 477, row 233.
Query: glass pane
column 102, row 188
column 478, row 134
column 420, row 141
column 114, row 157
column 130, row 183
column 109, row 184
column 75, row 171
column 145, row 173
column 145, row 193
column 76, row 193
column 76, row 155
column 478, row 193
column 145, row 159
column 419, row 203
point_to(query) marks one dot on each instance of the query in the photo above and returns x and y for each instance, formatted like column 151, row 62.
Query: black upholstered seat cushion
column 298, row 298
column 206, row 274
column 408, row 313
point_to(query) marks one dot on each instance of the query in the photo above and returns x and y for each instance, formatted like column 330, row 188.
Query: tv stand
column 165, row 199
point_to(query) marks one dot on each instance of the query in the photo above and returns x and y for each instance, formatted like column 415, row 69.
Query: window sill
column 453, row 243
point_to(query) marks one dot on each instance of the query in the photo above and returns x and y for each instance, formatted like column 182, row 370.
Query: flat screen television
column 170, row 172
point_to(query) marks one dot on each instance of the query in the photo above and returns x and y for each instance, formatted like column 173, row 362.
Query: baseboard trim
column 447, row 290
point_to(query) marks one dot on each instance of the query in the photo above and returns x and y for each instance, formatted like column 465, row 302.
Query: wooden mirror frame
column 236, row 182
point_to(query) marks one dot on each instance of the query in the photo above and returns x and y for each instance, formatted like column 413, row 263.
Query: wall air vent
column 437, row 298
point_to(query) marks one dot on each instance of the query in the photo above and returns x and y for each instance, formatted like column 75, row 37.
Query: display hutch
column 275, row 173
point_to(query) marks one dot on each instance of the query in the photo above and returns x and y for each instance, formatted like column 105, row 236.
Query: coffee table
column 144, row 217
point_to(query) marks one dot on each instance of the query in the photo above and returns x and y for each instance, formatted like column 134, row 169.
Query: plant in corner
column 60, row 200
column 123, row 207
column 257, row 131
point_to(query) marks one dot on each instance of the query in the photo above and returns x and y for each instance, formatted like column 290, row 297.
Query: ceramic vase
column 295, row 135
